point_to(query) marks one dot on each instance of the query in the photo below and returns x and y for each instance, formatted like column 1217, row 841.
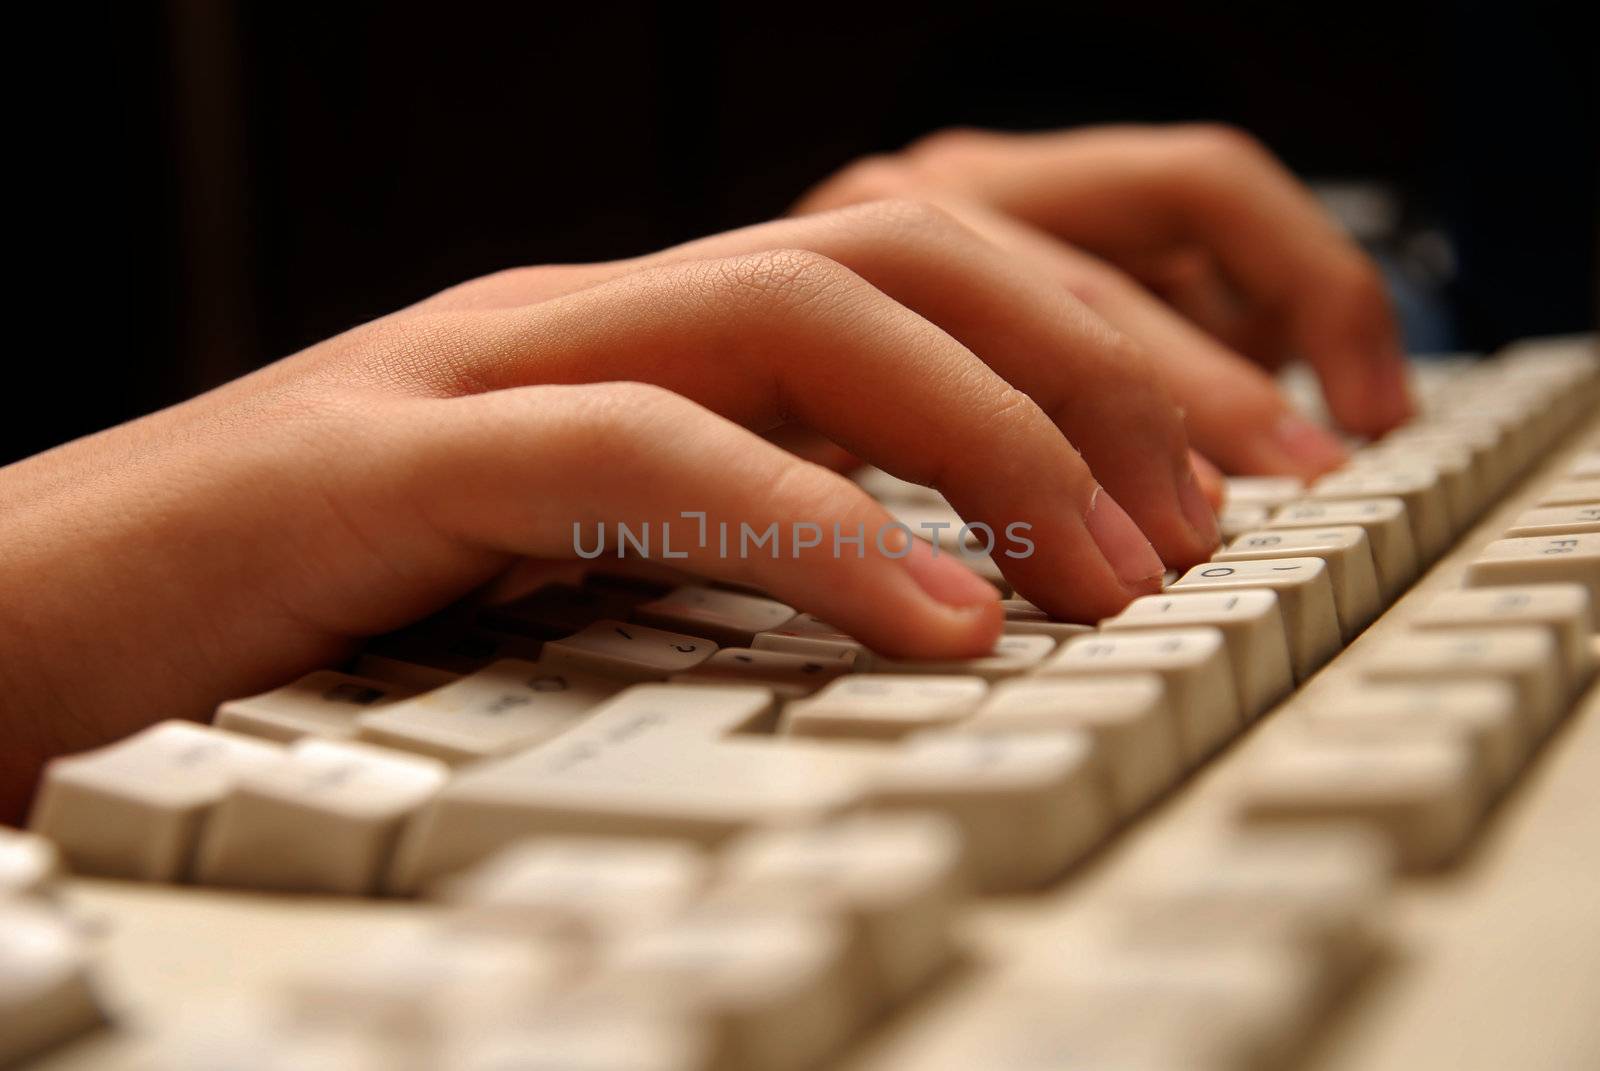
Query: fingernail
column 1307, row 445
column 1130, row 554
column 946, row 580
column 1197, row 510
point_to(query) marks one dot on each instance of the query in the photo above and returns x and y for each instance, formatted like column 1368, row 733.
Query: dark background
column 280, row 172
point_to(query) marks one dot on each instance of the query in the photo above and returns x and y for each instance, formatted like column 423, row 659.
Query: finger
column 790, row 335
column 1129, row 191
column 1092, row 381
column 1235, row 414
column 541, row 471
column 1211, row 481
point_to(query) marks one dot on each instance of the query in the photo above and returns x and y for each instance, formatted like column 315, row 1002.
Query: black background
column 280, row 172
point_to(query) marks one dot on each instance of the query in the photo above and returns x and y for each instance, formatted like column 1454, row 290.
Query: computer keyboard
column 1331, row 800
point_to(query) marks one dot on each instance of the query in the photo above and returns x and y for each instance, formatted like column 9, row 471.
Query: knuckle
column 950, row 141
column 869, row 179
column 610, row 424
column 906, row 222
column 1217, row 142
column 797, row 276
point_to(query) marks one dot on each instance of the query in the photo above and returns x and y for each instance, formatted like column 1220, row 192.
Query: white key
column 1029, row 805
column 1464, row 494
column 1524, row 657
column 46, row 995
column 323, row 703
column 1192, row 664
column 1134, row 728
column 1233, row 521
column 1011, row 656
column 1562, row 609
column 29, row 864
column 1305, row 598
column 324, row 819
column 895, row 879
column 772, row 989
column 1320, row 890
column 602, row 1036
column 1249, row 621
column 1569, row 559
column 887, row 488
column 1572, row 493
column 725, row 617
column 1556, row 521
column 1421, row 795
column 808, row 636
column 1058, row 631
column 1432, row 527
column 627, row 651
column 508, row 707
column 791, row 676
column 1270, row 491
column 1586, row 466
column 1389, row 535
column 578, row 889
column 1481, row 714
column 135, row 809
column 1343, row 548
column 676, row 761
column 884, row 706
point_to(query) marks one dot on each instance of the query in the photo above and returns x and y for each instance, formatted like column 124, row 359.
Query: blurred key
column 628, row 652
column 1193, row 666
column 1344, row 549
column 29, row 864
column 884, row 706
column 806, row 635
column 1268, row 491
column 1564, row 610
column 1305, row 598
column 508, row 707
column 1250, row 623
column 584, row 1036
column 1029, row 805
column 1572, row 493
column 792, row 676
column 134, row 809
column 46, row 995
column 1418, row 486
column 895, row 879
column 324, row 703
column 1134, row 728
column 1556, row 521
column 323, row 819
column 1420, row 794
column 1012, row 655
column 727, row 618
column 1524, row 657
column 558, row 610
column 1233, row 521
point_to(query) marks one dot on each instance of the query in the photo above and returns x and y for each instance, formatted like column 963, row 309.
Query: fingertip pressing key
column 1124, row 546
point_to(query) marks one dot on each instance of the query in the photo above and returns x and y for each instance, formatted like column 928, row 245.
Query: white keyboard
column 1331, row 800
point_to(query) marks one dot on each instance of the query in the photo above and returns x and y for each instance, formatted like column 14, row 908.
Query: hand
column 229, row 543
column 1252, row 271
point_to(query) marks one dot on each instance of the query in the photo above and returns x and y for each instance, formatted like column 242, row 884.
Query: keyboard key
column 884, row 706
column 600, row 1036
column 1419, row 794
column 1346, row 552
column 46, row 994
column 436, row 652
column 808, row 636
column 678, row 761
column 1269, row 491
column 324, row 703
column 1192, row 664
column 1572, row 493
column 1134, row 728
column 628, row 652
column 1305, row 597
column 1524, row 657
column 323, row 819
column 134, row 809
column 578, row 890
column 773, row 990
column 1233, row 521
column 510, row 706
column 1011, row 656
column 29, row 864
column 1586, row 466
column 895, row 879
column 1573, row 559
column 1464, row 495
column 1029, row 805
column 1250, row 623
column 1418, row 486
column 1394, row 552
column 558, row 610
column 1321, row 890
column 1556, row 521
column 1564, row 610
column 726, row 618
column 1480, row 714
column 791, row 676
